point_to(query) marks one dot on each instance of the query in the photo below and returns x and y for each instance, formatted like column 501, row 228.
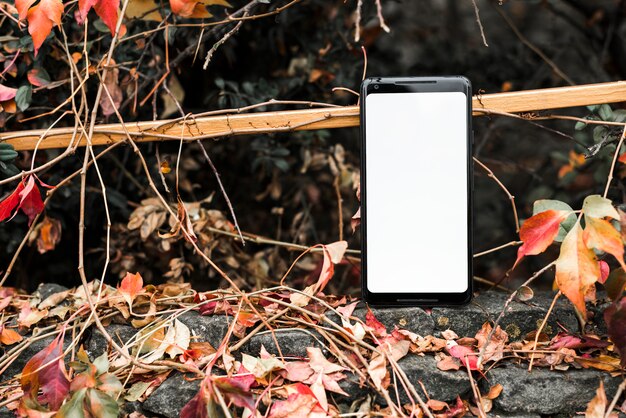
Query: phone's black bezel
column 375, row 85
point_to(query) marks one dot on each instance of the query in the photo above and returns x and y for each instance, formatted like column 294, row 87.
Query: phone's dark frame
column 375, row 85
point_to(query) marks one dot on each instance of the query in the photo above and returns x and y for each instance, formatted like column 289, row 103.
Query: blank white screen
column 416, row 192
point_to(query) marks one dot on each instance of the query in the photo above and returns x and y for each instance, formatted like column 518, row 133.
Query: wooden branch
column 310, row 119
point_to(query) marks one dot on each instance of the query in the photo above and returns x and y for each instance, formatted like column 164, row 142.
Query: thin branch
column 503, row 187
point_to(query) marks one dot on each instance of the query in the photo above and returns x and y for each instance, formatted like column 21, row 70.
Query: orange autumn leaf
column 48, row 234
column 539, row 231
column 195, row 8
column 575, row 160
column 577, row 268
column 602, row 235
column 41, row 18
column 622, row 158
column 131, row 286
column 105, row 9
column 8, row 336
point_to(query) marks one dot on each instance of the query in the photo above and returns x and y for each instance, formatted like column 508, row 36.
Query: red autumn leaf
column 605, row 271
column 36, row 78
column 11, row 202
column 25, row 197
column 105, row 9
column 602, row 235
column 131, row 286
column 615, row 318
column 539, row 231
column 31, row 203
column 622, row 158
column 577, row 268
column 7, row 93
column 197, row 407
column 41, row 18
column 318, row 372
column 458, row 410
column 45, row 372
column 295, row 406
column 378, row 329
column 247, row 319
column 236, row 389
column 468, row 357
column 563, row 340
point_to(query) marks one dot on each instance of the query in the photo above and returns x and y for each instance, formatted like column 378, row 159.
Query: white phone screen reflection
column 416, row 192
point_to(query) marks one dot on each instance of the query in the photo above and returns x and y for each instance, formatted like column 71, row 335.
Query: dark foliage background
column 281, row 185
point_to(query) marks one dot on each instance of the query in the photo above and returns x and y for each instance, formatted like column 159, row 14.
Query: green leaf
column 101, row 405
column 23, row 97
column 605, row 112
column 74, row 407
column 136, row 390
column 619, row 115
column 565, row 226
column 599, row 133
column 614, row 284
column 580, row 125
column 597, row 206
column 593, row 108
column 102, row 363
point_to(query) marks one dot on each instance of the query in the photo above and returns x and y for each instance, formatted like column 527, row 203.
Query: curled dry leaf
column 333, row 254
column 29, row 316
column 597, row 406
column 300, row 403
column 493, row 349
column 110, row 104
column 524, row 294
column 47, row 234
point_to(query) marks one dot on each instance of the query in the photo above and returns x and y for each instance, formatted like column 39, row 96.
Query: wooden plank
column 309, row 119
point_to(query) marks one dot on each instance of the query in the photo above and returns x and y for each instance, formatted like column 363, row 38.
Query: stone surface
column 6, row 413
column 413, row 319
column 46, row 289
column 173, row 394
column 440, row 385
column 519, row 319
column 293, row 342
column 96, row 344
column 210, row 328
column 545, row 391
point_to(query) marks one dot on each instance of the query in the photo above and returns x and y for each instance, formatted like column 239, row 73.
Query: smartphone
column 416, row 190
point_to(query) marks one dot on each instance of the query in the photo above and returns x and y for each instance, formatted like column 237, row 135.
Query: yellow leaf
column 577, row 268
column 144, row 10
column 602, row 235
